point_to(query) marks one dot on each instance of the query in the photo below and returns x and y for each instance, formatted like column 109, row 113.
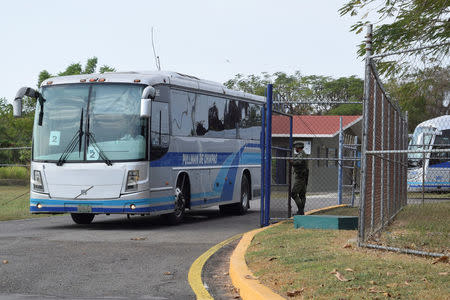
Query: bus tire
column 241, row 208
column 82, row 219
column 245, row 196
column 177, row 216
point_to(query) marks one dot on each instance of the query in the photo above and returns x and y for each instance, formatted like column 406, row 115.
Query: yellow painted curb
column 325, row 208
column 195, row 271
column 241, row 276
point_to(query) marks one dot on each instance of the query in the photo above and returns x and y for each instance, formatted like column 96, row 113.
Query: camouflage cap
column 299, row 144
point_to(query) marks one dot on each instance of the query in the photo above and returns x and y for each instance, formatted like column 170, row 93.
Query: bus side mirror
column 17, row 104
column 148, row 94
column 17, row 108
column 146, row 108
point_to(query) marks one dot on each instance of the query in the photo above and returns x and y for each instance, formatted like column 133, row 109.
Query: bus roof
column 154, row 78
column 440, row 123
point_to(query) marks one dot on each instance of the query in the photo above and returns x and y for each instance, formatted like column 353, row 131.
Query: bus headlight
column 37, row 181
column 132, row 180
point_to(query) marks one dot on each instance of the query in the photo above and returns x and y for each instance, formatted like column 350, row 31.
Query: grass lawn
column 15, row 203
column 418, row 195
column 326, row 264
column 423, row 227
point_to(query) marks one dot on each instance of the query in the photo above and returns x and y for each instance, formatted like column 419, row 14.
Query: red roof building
column 320, row 135
column 311, row 126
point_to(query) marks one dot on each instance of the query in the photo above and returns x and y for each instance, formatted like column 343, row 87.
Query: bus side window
column 201, row 112
column 182, row 107
column 232, row 116
column 250, row 121
column 441, row 142
column 216, row 112
column 159, row 137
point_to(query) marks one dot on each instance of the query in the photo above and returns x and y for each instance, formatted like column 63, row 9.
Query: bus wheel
column 180, row 206
column 245, row 196
column 243, row 205
column 82, row 218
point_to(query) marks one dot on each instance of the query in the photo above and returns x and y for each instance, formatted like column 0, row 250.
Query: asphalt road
column 113, row 258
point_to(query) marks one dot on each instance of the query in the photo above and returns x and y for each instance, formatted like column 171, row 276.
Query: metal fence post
column 423, row 170
column 395, row 160
column 382, row 160
column 341, row 149
column 389, row 166
column 362, row 205
column 355, row 154
column 268, row 154
column 374, row 146
column 263, row 164
column 405, row 168
column 291, row 126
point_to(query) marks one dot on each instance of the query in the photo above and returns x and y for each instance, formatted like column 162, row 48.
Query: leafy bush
column 14, row 173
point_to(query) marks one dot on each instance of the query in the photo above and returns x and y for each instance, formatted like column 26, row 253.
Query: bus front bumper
column 136, row 203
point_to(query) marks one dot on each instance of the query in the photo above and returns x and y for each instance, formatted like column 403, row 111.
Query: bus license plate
column 84, row 208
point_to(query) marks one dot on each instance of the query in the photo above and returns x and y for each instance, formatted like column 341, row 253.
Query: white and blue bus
column 142, row 143
column 430, row 171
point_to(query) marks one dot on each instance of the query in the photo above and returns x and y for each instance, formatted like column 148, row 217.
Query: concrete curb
column 195, row 271
column 241, row 276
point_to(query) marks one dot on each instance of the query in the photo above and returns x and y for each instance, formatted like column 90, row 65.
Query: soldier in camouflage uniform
column 301, row 177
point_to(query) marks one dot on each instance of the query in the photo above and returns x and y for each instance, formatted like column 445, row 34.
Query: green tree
column 77, row 69
column 422, row 94
column 91, row 65
column 403, row 24
column 316, row 93
column 105, row 68
column 346, row 110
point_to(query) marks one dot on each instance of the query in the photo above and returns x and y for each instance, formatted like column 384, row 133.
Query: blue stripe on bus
column 441, row 165
column 429, row 185
column 250, row 159
column 96, row 210
column 429, row 182
column 119, row 202
column 175, row 159
column 104, row 206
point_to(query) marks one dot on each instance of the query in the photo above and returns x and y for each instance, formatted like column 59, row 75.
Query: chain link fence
column 332, row 144
column 405, row 190
column 15, row 165
column 281, row 175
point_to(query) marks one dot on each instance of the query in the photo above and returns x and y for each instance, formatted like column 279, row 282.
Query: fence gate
column 275, row 168
column 333, row 170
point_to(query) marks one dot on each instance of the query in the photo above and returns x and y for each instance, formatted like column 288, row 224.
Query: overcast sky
column 213, row 39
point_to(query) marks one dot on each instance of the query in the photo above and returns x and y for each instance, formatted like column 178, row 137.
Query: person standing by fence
column 301, row 171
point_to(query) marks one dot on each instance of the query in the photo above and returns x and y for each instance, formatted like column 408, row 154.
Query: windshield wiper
column 80, row 131
column 73, row 143
column 90, row 137
column 99, row 150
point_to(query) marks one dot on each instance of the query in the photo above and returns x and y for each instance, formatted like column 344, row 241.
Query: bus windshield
column 422, row 137
column 88, row 122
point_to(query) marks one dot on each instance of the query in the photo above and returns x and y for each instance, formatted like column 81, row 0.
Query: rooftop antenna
column 157, row 62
